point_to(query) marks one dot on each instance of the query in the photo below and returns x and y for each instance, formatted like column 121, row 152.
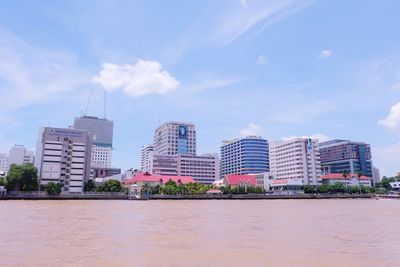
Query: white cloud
column 261, row 60
column 320, row 137
column 244, row 3
column 238, row 20
column 387, row 159
column 326, row 53
column 29, row 75
column 392, row 121
column 142, row 78
column 252, row 129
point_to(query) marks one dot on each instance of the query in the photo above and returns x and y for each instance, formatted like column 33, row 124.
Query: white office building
column 3, row 164
column 297, row 159
column 19, row 155
column 146, row 152
column 174, row 138
column 65, row 158
column 204, row 168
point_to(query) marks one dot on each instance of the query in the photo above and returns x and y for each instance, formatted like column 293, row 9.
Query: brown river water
column 200, row 233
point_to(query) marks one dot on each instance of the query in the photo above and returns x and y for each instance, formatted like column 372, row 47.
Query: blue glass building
column 247, row 155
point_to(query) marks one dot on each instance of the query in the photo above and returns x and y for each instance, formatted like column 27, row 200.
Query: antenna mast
column 105, row 110
column 88, row 101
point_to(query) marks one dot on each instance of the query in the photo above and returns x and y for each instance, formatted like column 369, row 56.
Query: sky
column 278, row 69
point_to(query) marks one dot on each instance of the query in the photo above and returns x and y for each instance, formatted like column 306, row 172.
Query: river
column 200, row 233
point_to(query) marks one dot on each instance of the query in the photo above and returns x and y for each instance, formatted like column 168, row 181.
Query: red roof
column 339, row 176
column 234, row 179
column 149, row 178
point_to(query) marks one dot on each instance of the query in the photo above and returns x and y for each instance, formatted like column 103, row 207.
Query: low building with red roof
column 351, row 179
column 242, row 180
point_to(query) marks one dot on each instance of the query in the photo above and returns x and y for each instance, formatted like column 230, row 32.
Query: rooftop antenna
column 105, row 110
column 88, row 101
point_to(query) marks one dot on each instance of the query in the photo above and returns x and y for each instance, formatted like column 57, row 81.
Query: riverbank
column 123, row 196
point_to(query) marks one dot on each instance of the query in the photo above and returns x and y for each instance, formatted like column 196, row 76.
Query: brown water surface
column 200, row 233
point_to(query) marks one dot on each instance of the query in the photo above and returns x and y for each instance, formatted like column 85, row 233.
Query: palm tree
column 359, row 174
column 345, row 174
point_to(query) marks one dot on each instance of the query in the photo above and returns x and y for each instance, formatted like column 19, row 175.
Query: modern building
column 297, row 159
column 163, row 165
column 146, row 153
column 19, row 155
column 102, row 138
column 338, row 156
column 173, row 138
column 249, row 155
column 65, row 158
column 376, row 176
column 3, row 164
column 204, row 168
column 104, row 172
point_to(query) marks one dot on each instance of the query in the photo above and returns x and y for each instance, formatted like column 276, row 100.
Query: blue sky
column 278, row 68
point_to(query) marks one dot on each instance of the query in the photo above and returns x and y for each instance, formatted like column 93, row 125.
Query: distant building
column 102, row 138
column 104, row 172
column 265, row 179
column 174, row 138
column 203, row 168
column 351, row 179
column 146, row 153
column 249, row 155
column 19, row 155
column 297, row 159
column 3, row 164
column 65, row 158
column 376, row 176
column 338, row 156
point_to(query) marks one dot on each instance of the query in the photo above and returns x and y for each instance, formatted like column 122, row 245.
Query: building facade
column 248, row 155
column 204, row 168
column 145, row 155
column 19, row 155
column 338, row 156
column 3, row 164
column 102, row 139
column 298, row 159
column 65, row 158
column 174, row 138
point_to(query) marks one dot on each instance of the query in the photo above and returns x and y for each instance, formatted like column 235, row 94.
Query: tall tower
column 101, row 131
column 174, row 138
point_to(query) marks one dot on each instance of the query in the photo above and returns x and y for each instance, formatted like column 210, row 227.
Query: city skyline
column 233, row 68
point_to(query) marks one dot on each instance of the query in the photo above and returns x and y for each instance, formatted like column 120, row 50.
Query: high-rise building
column 102, row 136
column 146, row 153
column 297, row 159
column 174, row 138
column 376, row 176
column 65, row 158
column 19, row 155
column 249, row 155
column 338, row 156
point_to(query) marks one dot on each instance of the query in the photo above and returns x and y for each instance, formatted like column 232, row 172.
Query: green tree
column 90, row 186
column 22, row 178
column 53, row 188
column 338, row 188
column 169, row 190
column 385, row 182
column 111, row 186
column 309, row 189
column 2, row 182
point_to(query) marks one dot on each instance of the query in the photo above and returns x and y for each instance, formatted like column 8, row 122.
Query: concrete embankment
column 255, row 197
column 44, row 196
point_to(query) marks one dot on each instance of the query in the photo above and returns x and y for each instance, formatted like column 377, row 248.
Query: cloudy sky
column 278, row 68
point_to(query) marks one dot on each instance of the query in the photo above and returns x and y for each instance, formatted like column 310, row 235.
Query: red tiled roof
column 215, row 191
column 142, row 177
column 280, row 182
column 234, row 179
column 339, row 176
